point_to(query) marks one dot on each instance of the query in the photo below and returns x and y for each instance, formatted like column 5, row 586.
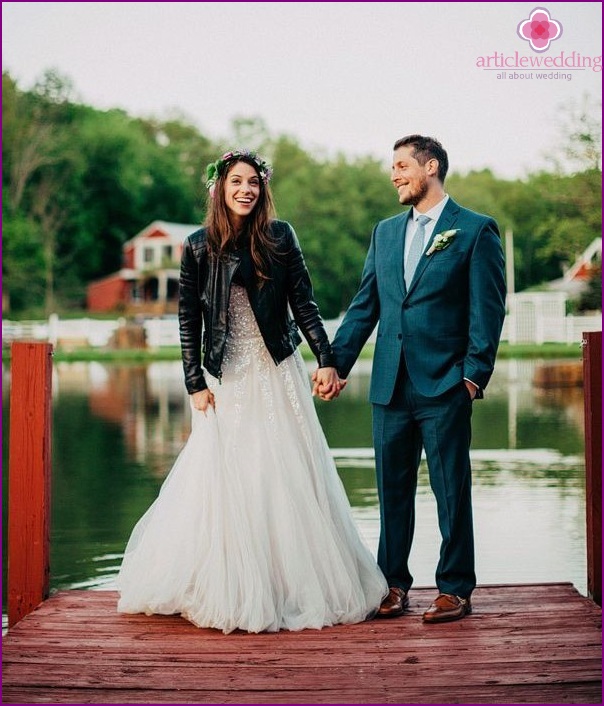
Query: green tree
column 22, row 262
column 37, row 163
column 82, row 181
column 78, row 182
column 333, row 207
column 591, row 298
column 179, row 155
column 580, row 127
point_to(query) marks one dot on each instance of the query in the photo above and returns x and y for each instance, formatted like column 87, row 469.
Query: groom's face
column 409, row 177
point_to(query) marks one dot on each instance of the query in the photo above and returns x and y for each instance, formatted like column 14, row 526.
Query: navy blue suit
column 445, row 328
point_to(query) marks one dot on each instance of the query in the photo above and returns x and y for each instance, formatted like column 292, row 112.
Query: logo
column 539, row 30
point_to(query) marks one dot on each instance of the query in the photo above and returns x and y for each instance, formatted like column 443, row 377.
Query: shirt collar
column 434, row 212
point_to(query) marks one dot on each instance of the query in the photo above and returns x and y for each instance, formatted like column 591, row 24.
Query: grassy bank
column 506, row 350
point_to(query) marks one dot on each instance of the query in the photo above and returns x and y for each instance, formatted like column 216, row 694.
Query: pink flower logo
column 539, row 30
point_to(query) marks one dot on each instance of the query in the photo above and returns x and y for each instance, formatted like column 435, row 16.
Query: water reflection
column 118, row 428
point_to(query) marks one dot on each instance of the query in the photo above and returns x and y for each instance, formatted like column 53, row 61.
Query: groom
column 434, row 282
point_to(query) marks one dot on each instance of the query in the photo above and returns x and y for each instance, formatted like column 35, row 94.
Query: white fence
column 94, row 333
column 536, row 317
column 540, row 317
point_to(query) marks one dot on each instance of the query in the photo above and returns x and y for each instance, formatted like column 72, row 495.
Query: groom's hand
column 326, row 383
column 471, row 388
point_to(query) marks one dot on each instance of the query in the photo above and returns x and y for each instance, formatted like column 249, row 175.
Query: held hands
column 327, row 384
column 202, row 400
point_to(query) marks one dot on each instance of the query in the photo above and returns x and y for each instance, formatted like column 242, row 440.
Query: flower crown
column 217, row 168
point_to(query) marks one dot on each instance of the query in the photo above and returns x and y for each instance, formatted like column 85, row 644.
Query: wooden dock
column 522, row 644
column 537, row 643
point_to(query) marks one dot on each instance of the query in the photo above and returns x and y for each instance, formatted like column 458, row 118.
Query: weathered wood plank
column 339, row 653
column 492, row 694
column 492, row 598
column 158, row 675
column 545, row 647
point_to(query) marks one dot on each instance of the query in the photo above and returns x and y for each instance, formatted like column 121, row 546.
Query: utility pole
column 509, row 276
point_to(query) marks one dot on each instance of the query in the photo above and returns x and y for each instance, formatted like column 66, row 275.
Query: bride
column 252, row 529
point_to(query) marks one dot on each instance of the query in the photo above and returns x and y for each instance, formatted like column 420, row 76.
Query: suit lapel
column 445, row 222
column 398, row 249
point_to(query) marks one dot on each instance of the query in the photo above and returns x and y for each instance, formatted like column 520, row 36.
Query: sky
column 345, row 77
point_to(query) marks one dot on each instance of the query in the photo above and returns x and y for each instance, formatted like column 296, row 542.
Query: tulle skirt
column 252, row 528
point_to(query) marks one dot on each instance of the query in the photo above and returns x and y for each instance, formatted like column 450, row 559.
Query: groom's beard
column 415, row 193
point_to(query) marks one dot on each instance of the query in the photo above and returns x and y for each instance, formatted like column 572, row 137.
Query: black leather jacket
column 204, row 298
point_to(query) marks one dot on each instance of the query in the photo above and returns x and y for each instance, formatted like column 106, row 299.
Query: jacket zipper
column 213, row 305
column 226, row 333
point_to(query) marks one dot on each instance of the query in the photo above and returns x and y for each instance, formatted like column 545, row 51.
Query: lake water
column 118, row 428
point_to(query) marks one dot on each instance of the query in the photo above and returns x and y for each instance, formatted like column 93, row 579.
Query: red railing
column 29, row 478
column 592, row 386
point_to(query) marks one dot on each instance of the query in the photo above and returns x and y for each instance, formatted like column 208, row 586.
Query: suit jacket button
column 400, row 336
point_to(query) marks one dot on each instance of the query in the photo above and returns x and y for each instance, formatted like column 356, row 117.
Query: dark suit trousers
column 442, row 425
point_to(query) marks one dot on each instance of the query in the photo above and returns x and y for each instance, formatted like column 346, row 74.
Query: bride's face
column 241, row 191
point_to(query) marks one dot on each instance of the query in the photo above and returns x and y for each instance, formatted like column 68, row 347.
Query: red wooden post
column 29, row 478
column 592, row 388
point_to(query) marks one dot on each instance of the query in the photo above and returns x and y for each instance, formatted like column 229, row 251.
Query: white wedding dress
column 252, row 528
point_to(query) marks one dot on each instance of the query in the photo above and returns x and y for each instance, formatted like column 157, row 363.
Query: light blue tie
column 416, row 249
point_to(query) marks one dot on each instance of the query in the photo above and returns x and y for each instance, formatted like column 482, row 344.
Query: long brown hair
column 222, row 237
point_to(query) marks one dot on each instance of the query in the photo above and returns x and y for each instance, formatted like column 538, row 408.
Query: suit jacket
column 447, row 325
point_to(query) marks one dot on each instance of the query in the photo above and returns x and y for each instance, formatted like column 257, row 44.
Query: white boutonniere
column 442, row 241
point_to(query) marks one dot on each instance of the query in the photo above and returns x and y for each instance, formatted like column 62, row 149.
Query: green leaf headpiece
column 218, row 168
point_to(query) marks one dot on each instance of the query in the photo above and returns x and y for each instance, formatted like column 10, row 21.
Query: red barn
column 148, row 280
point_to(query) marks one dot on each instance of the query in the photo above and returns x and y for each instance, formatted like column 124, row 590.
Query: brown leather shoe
column 447, row 607
column 395, row 603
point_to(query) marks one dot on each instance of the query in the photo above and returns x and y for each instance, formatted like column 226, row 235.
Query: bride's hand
column 327, row 384
column 202, row 400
